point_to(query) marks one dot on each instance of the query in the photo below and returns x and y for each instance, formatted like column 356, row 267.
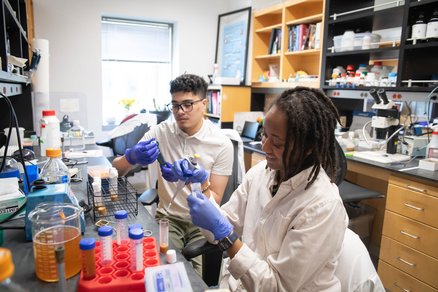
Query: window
column 136, row 66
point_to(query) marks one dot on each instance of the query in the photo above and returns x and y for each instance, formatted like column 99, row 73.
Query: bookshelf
column 224, row 101
column 287, row 62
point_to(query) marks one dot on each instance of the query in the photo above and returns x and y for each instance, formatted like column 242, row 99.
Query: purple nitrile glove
column 168, row 173
column 143, row 153
column 205, row 215
column 188, row 172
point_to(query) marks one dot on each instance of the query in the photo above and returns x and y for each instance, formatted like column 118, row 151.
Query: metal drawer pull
column 414, row 207
column 403, row 289
column 406, row 262
column 416, row 189
column 410, row 235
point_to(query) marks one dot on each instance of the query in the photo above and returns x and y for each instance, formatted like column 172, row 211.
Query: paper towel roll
column 40, row 102
column 40, row 80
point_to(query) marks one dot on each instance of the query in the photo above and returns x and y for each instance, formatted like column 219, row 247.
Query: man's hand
column 143, row 153
column 189, row 173
column 205, row 215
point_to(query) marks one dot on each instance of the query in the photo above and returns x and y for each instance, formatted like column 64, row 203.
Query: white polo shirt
column 216, row 152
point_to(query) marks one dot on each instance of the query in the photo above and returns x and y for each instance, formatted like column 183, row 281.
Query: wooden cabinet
column 285, row 61
column 224, row 101
column 408, row 253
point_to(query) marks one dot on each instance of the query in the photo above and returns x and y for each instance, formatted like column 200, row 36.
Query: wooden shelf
column 268, row 29
column 273, row 56
column 304, row 52
column 309, row 19
column 212, row 116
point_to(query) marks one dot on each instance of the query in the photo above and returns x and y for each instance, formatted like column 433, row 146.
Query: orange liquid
column 164, row 247
column 44, row 244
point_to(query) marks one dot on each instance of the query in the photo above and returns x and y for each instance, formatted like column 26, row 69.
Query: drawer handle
column 401, row 288
column 414, row 207
column 410, row 235
column 416, row 189
column 406, row 262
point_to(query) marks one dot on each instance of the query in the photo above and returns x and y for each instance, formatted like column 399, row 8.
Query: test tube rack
column 125, row 198
column 118, row 276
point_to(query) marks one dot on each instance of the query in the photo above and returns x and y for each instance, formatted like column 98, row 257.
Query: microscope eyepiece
column 373, row 93
column 381, row 92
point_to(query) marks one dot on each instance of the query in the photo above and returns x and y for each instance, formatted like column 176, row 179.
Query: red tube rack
column 118, row 275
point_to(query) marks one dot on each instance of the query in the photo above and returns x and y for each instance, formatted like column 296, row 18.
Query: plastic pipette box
column 118, row 276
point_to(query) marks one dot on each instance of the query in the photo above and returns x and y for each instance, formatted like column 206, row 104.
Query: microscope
column 387, row 119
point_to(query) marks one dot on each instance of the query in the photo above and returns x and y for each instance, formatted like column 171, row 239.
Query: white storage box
column 429, row 164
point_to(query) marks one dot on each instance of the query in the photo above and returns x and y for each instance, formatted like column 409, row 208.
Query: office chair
column 211, row 255
column 355, row 269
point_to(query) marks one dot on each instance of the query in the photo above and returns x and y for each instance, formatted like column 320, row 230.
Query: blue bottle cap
column 87, row 243
column 135, row 233
column 105, row 231
column 136, row 225
column 122, row 214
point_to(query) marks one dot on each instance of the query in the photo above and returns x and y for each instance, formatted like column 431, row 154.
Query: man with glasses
column 188, row 135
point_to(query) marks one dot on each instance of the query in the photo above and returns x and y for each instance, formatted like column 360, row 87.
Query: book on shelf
column 301, row 37
column 213, row 102
column 275, row 41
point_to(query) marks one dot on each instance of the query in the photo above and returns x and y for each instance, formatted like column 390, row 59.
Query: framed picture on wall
column 232, row 43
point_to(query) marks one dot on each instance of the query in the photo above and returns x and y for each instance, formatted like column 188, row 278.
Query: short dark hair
column 189, row 83
column 310, row 139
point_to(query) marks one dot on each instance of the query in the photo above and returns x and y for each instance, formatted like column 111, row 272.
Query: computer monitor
column 249, row 132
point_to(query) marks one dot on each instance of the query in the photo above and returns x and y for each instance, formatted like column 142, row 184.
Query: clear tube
column 122, row 227
column 113, row 184
column 106, row 244
column 164, row 235
column 136, row 236
column 97, row 192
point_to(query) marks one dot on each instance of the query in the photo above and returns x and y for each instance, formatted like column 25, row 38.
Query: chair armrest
column 105, row 143
column 199, row 247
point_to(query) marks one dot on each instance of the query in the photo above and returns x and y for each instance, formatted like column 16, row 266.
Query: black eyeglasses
column 186, row 106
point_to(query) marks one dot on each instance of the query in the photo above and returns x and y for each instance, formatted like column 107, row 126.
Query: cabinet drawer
column 419, row 236
column 412, row 204
column 396, row 280
column 417, row 264
column 429, row 188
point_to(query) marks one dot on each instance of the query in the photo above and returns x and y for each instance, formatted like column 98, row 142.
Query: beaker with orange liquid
column 53, row 225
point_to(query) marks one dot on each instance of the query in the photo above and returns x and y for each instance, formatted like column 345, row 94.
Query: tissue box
column 11, row 202
column 429, row 164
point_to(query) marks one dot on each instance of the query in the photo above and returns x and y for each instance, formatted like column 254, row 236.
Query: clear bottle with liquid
column 77, row 138
column 54, row 171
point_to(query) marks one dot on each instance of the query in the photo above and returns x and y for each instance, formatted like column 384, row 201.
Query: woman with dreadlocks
column 287, row 212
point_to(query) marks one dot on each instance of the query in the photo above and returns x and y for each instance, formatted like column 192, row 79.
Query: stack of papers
column 381, row 157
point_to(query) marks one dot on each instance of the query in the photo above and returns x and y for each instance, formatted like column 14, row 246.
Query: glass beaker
column 54, row 225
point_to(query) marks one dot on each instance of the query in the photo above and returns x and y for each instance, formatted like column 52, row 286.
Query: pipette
column 160, row 157
column 193, row 164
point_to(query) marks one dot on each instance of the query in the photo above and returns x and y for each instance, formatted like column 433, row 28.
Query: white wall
column 73, row 30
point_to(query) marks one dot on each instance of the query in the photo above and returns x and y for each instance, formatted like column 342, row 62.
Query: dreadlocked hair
column 189, row 83
column 311, row 119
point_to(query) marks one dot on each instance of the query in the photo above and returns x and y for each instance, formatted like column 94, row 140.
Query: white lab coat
column 292, row 241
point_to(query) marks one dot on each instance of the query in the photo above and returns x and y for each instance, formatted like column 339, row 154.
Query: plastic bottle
column 121, row 226
column 377, row 70
column 54, row 171
column 136, row 236
column 432, row 27
column 97, row 192
column 432, row 147
column 419, row 28
column 87, row 246
column 77, row 138
column 6, row 272
column 50, row 133
column 106, row 243
column 113, row 184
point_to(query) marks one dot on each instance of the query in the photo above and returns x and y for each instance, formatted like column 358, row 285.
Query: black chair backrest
column 233, row 182
column 341, row 169
column 121, row 143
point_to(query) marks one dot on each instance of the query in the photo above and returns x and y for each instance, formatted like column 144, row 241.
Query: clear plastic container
column 121, row 227
column 432, row 147
column 113, row 184
column 136, row 236
column 54, row 171
column 76, row 136
column 347, row 42
column 106, row 243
